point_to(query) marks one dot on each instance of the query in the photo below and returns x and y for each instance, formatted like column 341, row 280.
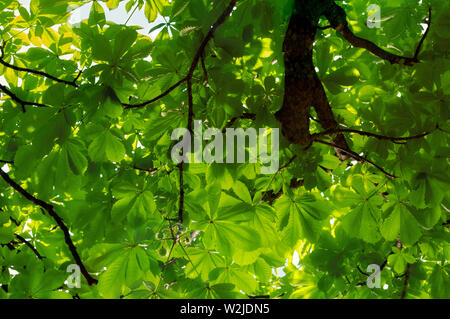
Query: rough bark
column 303, row 89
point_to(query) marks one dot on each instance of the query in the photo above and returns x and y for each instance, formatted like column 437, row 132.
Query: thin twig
column 28, row 244
column 363, row 133
column 405, row 283
column 152, row 172
column 190, row 106
column 210, row 35
column 35, row 72
column 155, row 99
column 181, row 197
column 362, row 272
column 205, row 71
column 282, row 168
column 16, row 99
column 357, row 157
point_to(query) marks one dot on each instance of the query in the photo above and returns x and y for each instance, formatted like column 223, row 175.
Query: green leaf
column 301, row 220
column 219, row 173
column 232, row 45
column 123, row 41
column 330, row 161
column 6, row 235
column 439, row 281
column 345, row 76
column 101, row 48
column 229, row 235
column 106, row 147
column 203, row 262
column 152, row 8
column 133, row 203
column 238, row 277
column 112, row 107
column 241, row 191
column 97, row 14
column 442, row 24
column 111, row 282
column 362, row 223
column 77, row 159
column 398, row 262
column 107, row 169
column 401, row 223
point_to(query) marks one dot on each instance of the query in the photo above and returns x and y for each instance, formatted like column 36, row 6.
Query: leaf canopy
column 106, row 169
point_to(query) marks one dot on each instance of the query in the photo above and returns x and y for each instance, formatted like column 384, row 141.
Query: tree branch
column 35, row 72
column 198, row 55
column 363, row 133
column 210, row 35
column 159, row 97
column 190, row 106
column 188, row 79
column 49, row 208
column 342, row 27
column 180, row 166
column 16, row 99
